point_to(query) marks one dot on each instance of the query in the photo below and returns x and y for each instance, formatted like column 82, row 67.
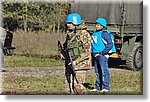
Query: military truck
column 124, row 21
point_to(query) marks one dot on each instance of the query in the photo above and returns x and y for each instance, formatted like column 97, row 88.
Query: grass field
column 123, row 82
column 37, row 44
column 36, row 52
column 15, row 61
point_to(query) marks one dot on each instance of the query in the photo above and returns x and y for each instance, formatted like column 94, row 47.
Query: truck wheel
column 135, row 60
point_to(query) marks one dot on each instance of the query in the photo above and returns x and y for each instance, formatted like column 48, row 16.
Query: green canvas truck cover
column 111, row 11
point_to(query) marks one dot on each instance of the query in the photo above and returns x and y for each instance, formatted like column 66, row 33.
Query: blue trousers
column 102, row 73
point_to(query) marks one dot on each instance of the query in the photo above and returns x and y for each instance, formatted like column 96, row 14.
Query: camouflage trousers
column 81, row 76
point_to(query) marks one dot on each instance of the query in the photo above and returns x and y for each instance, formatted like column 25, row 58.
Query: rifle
column 68, row 60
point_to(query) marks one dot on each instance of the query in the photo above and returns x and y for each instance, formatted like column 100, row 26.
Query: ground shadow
column 88, row 86
column 117, row 63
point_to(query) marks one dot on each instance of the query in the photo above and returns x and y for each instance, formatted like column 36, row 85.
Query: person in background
column 102, row 45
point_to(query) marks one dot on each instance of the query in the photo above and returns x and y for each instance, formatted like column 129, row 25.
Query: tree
column 35, row 15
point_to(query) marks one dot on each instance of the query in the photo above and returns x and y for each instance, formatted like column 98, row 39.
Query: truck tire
column 135, row 60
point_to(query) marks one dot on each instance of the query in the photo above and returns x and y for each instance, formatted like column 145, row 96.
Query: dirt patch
column 33, row 71
column 41, row 71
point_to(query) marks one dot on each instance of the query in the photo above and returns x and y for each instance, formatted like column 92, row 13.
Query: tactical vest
column 74, row 46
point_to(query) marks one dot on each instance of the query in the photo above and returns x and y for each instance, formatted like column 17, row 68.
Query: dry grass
column 122, row 82
column 37, row 43
column 18, row 61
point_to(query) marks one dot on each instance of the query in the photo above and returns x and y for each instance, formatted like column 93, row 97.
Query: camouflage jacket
column 80, row 48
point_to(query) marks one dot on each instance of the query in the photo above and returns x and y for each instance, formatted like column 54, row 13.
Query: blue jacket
column 102, row 41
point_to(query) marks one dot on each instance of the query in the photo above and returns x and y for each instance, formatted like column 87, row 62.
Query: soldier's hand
column 62, row 57
column 72, row 63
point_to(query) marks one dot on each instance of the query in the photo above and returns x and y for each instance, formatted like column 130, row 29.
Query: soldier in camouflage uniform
column 79, row 47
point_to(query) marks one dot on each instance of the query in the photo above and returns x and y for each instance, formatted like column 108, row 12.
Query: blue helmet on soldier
column 74, row 18
column 102, row 22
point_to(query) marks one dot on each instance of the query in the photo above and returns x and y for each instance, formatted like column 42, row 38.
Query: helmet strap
column 75, row 30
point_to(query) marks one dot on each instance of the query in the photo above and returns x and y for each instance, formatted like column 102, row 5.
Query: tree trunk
column 25, row 25
column 54, row 27
column 58, row 27
column 25, row 18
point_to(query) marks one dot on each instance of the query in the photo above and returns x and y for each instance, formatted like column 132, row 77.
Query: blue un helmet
column 102, row 22
column 74, row 18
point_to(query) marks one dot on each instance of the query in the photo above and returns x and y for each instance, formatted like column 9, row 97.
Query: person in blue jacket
column 102, row 43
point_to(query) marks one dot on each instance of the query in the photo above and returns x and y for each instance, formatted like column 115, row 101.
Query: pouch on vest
column 75, row 49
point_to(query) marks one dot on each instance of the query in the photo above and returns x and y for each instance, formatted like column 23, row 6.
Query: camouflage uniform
column 80, row 50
